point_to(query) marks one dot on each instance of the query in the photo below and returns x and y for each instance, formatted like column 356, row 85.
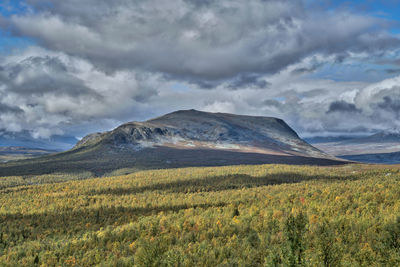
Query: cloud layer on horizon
column 93, row 68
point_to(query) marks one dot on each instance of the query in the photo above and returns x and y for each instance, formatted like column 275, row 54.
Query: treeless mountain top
column 181, row 139
column 196, row 129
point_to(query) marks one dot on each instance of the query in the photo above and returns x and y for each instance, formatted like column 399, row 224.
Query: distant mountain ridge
column 378, row 158
column 382, row 147
column 24, row 139
column 386, row 136
column 9, row 153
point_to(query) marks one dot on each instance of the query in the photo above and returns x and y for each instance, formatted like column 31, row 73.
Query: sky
column 75, row 67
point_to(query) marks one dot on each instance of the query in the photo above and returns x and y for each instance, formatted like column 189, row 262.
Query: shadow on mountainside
column 102, row 160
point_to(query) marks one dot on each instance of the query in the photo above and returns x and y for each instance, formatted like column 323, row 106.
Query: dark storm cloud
column 41, row 75
column 392, row 61
column 3, row 22
column 9, row 109
column 50, row 94
column 392, row 71
column 387, row 101
column 199, row 40
column 340, row 57
column 342, row 106
column 273, row 103
column 340, row 110
column 248, row 80
column 305, row 70
column 390, row 103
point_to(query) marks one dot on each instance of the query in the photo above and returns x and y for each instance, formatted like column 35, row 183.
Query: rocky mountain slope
column 180, row 139
column 192, row 129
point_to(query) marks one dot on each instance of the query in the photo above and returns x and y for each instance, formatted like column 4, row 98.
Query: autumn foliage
column 265, row 215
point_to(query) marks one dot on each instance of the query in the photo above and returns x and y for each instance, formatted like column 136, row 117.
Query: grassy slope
column 236, row 215
column 18, row 153
column 100, row 159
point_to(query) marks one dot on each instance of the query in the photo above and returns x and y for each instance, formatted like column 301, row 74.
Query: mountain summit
column 180, row 139
column 192, row 129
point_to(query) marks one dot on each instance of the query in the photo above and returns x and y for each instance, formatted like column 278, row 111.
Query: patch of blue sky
column 9, row 42
column 179, row 87
column 389, row 9
column 386, row 9
column 363, row 72
column 280, row 99
column 13, row 7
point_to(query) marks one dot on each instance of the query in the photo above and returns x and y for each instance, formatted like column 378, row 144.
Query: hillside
column 191, row 129
column 378, row 158
column 382, row 147
column 8, row 153
column 388, row 136
column 266, row 215
column 181, row 139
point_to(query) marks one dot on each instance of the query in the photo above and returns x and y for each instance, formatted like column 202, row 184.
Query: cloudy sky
column 74, row 67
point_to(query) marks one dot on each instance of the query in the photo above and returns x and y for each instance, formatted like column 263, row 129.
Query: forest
column 260, row 215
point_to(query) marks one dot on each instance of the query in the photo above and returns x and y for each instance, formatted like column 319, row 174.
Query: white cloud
column 199, row 40
column 94, row 68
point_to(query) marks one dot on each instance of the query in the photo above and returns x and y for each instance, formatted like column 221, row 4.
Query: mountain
column 15, row 153
column 329, row 139
column 378, row 158
column 183, row 138
column 191, row 129
column 388, row 136
column 24, row 139
column 382, row 147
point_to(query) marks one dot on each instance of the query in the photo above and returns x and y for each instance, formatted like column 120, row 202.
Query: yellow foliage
column 203, row 217
column 277, row 214
column 313, row 218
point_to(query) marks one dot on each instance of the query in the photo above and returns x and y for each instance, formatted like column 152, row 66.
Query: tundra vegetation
column 263, row 215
